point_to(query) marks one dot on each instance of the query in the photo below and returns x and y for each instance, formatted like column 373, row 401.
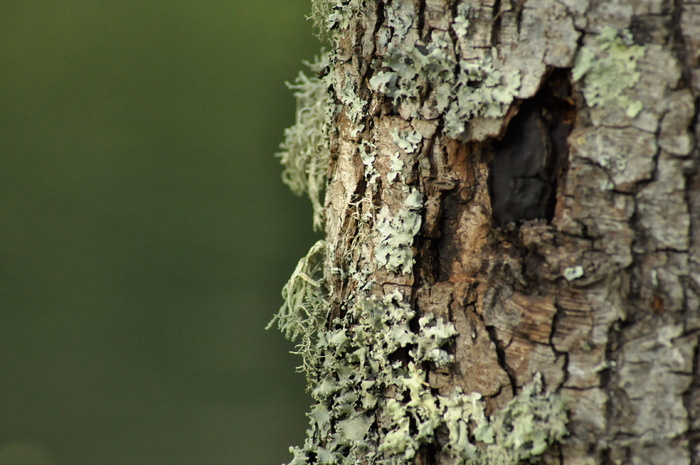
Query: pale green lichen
column 305, row 148
column 331, row 17
column 399, row 17
column 305, row 307
column 459, row 89
column 373, row 408
column 368, row 154
column 355, row 418
column 407, row 140
column 353, row 105
column 396, row 233
column 609, row 65
column 461, row 22
column 524, row 429
column 572, row 273
column 367, row 374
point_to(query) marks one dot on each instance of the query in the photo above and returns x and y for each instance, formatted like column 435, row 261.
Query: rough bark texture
column 551, row 215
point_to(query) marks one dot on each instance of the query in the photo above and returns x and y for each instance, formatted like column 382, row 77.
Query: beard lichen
column 305, row 150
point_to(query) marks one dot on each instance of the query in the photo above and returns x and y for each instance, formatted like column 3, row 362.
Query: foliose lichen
column 374, row 407
column 608, row 67
column 407, row 140
column 396, row 233
column 332, row 17
column 305, row 150
column 367, row 373
column 459, row 89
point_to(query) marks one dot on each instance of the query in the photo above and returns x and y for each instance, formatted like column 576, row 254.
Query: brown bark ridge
column 512, row 221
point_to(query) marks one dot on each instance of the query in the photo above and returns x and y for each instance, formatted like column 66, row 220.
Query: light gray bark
column 603, row 297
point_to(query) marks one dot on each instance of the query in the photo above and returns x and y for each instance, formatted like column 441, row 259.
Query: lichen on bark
column 432, row 333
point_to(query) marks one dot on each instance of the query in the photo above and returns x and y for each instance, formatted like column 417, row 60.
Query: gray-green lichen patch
column 609, row 65
column 572, row 273
column 459, row 89
column 305, row 150
column 461, row 21
column 354, row 373
column 396, row 232
column 345, row 87
column 368, row 154
column 367, row 374
column 524, row 429
column 368, row 360
column 407, row 140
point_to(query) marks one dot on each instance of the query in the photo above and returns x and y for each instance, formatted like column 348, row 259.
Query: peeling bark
column 581, row 263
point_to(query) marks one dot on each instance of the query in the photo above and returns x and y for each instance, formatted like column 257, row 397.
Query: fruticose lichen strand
column 305, row 150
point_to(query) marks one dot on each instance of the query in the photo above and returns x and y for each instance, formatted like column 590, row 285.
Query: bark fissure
column 502, row 362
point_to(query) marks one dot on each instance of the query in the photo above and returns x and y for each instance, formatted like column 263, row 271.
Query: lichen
column 458, row 89
column 332, row 17
column 396, row 233
column 608, row 67
column 461, row 22
column 523, row 429
column 373, row 408
column 572, row 273
column 407, row 140
column 355, row 417
column 305, row 150
column 305, row 307
column 367, row 371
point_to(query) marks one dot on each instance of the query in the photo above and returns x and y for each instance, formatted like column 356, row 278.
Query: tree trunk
column 511, row 269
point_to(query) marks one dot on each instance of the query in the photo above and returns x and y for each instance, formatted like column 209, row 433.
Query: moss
column 305, row 150
column 608, row 67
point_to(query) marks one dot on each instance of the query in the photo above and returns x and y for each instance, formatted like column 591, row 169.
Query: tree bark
column 511, row 269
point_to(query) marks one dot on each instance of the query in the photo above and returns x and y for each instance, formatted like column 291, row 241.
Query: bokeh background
column 145, row 233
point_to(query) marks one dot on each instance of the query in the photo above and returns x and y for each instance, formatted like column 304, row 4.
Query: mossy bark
column 591, row 275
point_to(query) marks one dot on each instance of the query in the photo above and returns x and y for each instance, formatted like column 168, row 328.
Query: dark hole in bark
column 530, row 159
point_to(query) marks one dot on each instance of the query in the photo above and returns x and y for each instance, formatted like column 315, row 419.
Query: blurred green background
column 145, row 234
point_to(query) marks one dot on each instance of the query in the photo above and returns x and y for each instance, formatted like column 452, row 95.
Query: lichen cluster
column 608, row 67
column 332, row 17
column 457, row 89
column 373, row 405
column 366, row 372
column 367, row 397
column 367, row 364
